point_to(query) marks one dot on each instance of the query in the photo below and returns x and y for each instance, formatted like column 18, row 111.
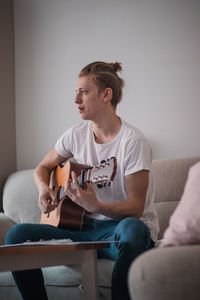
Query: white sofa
column 169, row 272
column 64, row 282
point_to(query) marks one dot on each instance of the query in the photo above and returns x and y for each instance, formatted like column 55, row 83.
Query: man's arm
column 136, row 186
column 47, row 198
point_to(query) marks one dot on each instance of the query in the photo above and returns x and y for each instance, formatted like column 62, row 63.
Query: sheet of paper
column 55, row 242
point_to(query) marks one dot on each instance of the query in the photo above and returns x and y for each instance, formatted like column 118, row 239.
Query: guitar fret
column 88, row 173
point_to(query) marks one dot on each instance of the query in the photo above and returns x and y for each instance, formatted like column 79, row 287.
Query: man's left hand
column 83, row 196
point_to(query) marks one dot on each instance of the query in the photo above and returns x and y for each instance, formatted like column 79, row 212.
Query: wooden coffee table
column 13, row 258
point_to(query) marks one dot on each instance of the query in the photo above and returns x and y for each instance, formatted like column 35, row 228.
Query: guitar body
column 68, row 214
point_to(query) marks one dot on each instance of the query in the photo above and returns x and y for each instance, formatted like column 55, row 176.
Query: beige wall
column 7, row 99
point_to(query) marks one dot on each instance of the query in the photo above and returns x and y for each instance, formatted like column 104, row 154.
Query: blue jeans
column 132, row 236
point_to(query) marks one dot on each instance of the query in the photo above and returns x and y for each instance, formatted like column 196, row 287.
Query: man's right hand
column 47, row 201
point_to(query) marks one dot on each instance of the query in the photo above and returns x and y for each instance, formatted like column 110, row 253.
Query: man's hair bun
column 116, row 66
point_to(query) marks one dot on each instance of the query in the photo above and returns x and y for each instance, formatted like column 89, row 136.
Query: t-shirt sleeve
column 138, row 156
column 64, row 144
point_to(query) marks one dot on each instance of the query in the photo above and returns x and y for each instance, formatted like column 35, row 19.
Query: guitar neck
column 105, row 172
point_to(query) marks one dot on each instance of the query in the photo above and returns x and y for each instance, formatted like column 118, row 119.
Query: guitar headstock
column 105, row 172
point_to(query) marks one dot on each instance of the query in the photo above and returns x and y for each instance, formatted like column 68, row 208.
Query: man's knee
column 133, row 237
column 131, row 227
column 16, row 234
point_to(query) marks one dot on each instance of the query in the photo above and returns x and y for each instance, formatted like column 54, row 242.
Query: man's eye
column 84, row 92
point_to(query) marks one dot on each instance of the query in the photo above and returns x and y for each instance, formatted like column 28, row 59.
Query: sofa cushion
column 184, row 227
column 164, row 211
column 67, row 275
column 170, row 176
column 20, row 198
column 71, row 275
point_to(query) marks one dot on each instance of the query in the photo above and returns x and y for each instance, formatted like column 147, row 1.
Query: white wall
column 158, row 44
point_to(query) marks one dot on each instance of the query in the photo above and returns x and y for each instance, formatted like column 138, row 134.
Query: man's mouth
column 81, row 109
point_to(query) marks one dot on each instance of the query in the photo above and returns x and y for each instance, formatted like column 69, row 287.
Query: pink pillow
column 184, row 225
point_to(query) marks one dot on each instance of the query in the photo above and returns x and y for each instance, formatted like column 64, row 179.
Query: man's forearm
column 120, row 210
column 41, row 177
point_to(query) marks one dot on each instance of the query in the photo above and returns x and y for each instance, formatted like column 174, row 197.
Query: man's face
column 89, row 99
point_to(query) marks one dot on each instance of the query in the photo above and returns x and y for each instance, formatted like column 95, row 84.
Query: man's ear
column 108, row 94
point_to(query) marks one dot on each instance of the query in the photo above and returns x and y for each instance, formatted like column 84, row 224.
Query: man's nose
column 78, row 98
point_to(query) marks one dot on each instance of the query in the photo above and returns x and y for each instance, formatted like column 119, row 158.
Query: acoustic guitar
column 68, row 214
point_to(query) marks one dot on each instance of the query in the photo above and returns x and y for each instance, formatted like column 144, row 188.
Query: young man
column 123, row 211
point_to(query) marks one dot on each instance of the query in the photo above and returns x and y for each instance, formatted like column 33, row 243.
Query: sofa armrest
column 166, row 273
column 5, row 224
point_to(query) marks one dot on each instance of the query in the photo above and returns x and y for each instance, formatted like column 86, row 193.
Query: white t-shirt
column 132, row 153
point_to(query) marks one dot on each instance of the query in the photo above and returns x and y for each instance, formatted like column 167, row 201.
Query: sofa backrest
column 170, row 176
column 20, row 195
